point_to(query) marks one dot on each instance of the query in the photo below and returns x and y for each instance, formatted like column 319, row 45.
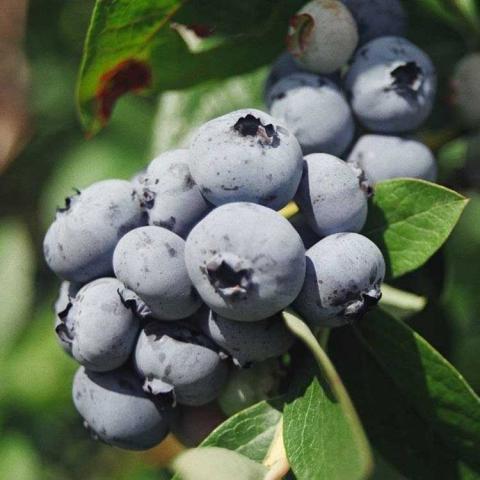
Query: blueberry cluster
column 174, row 282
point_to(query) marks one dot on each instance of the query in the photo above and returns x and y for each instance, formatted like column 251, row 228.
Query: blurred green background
column 42, row 436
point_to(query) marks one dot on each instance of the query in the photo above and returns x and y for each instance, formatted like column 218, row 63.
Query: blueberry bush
column 383, row 384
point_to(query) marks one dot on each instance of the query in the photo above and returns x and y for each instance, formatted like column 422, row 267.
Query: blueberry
column 137, row 180
column 79, row 244
column 344, row 274
column 66, row 294
column 377, row 18
column 171, row 198
column 466, row 90
column 392, row 85
column 117, row 411
column 150, row 261
column 283, row 66
column 246, row 261
column 382, row 157
column 246, row 156
column 322, row 36
column 315, row 110
column 248, row 342
column 100, row 328
column 331, row 195
column 191, row 425
column 246, row 387
column 174, row 359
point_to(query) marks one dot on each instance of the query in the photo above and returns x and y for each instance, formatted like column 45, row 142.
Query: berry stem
column 290, row 210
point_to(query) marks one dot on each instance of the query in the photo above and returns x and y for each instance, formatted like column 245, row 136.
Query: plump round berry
column 466, row 90
column 150, row 261
column 66, row 294
column 322, row 36
column 392, row 85
column 248, row 342
column 382, row 157
column 378, row 18
column 98, row 326
column 248, row 386
column 173, row 359
column 332, row 196
column 191, row 425
column 246, row 156
column 246, row 261
column 79, row 244
column 117, row 411
column 170, row 196
column 344, row 275
column 315, row 110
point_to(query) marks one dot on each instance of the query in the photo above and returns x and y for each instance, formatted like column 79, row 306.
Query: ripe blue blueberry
column 170, row 196
column 382, row 157
column 332, row 196
column 248, row 342
column 344, row 275
column 150, row 261
column 117, row 411
column 173, row 359
column 246, row 261
column 79, row 244
column 315, row 110
column 466, row 90
column 322, row 36
column 377, row 18
column 392, row 85
column 100, row 328
column 246, row 156
column 66, row 294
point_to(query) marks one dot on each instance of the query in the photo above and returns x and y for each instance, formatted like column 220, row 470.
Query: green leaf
column 410, row 220
column 213, row 463
column 322, row 433
column 444, row 12
column 181, row 112
column 249, row 433
column 17, row 280
column 400, row 303
column 469, row 10
column 139, row 47
column 398, row 433
column 437, row 392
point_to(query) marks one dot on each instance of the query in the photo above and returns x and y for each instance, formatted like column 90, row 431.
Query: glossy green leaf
column 214, row 463
column 427, row 381
column 398, row 434
column 145, row 46
column 322, row 433
column 410, row 220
